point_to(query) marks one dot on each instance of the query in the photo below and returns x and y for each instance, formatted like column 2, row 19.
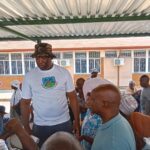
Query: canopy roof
column 68, row 19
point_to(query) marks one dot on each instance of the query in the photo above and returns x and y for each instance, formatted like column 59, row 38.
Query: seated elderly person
column 61, row 141
column 115, row 133
column 58, row 141
column 138, row 121
column 14, row 127
column 131, row 89
column 91, row 121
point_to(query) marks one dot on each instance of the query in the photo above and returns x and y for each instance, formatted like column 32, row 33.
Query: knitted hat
column 128, row 104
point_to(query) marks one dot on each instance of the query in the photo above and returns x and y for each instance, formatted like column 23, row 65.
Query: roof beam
column 22, row 36
column 67, row 20
column 95, row 36
column 79, row 37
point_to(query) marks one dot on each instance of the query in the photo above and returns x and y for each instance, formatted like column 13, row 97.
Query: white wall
column 111, row 73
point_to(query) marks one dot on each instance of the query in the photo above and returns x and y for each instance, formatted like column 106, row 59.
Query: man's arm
column 14, row 127
column 86, row 138
column 75, row 109
column 25, row 113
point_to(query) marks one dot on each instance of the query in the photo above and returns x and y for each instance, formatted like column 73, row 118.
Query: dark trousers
column 43, row 132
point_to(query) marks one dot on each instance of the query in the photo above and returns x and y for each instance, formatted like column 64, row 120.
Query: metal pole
column 118, row 76
column 39, row 41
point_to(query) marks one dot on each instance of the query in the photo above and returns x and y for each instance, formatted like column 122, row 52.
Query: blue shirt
column 115, row 134
column 89, row 127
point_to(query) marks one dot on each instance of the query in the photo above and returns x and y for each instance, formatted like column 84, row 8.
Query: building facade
column 119, row 64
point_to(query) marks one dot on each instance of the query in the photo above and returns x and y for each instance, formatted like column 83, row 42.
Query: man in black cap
column 47, row 86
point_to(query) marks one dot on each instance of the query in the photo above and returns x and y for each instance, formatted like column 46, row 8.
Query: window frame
column 87, row 59
column 94, row 59
column 4, row 64
column 139, row 58
column 30, row 60
column 17, row 62
column 81, row 61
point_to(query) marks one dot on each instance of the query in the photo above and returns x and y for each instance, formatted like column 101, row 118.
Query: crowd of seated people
column 117, row 126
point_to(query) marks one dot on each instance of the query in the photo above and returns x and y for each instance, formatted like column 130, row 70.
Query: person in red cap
column 49, row 86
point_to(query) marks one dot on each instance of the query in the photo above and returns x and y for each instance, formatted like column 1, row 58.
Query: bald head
column 109, row 92
column 105, row 100
column 61, row 141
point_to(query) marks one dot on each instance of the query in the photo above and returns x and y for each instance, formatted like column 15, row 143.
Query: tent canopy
column 73, row 19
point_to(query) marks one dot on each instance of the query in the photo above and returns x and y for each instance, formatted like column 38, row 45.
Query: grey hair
column 61, row 141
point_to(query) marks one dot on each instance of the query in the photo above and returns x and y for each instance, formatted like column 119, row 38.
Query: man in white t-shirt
column 47, row 86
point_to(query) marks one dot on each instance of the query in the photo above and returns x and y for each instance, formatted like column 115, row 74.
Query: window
column 125, row 53
column 16, row 63
column 94, row 61
column 57, row 59
column 57, row 54
column 80, row 63
column 110, row 54
column 140, row 61
column 4, row 64
column 67, row 55
column 29, row 62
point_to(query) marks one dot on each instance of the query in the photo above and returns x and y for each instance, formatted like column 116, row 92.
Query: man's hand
column 10, row 128
column 75, row 109
column 12, row 125
column 77, row 130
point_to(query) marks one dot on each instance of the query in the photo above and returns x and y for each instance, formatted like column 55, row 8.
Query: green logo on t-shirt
column 49, row 82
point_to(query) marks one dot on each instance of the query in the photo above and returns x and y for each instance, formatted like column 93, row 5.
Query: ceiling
column 37, row 20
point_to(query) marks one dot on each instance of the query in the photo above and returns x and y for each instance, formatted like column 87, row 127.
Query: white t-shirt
column 92, row 83
column 47, row 89
column 16, row 97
